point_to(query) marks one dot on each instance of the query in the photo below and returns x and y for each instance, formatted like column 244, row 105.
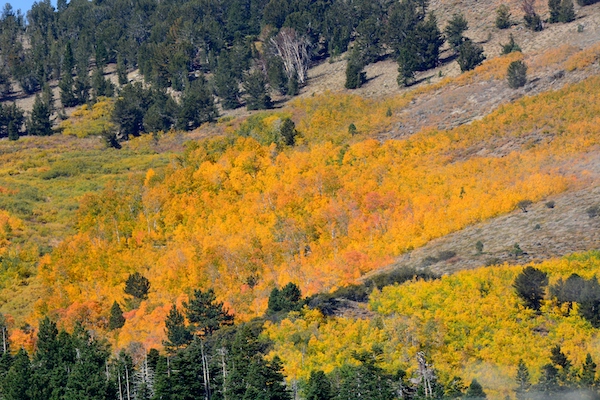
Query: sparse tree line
column 208, row 357
column 241, row 51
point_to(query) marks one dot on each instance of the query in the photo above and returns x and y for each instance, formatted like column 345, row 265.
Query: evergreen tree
column 530, row 286
column 588, row 373
column 116, row 319
column 503, row 17
column 548, row 383
column 355, row 76
column 554, row 8
column 66, row 85
column 101, row 85
column 407, row 65
column 523, row 382
column 454, row 31
column 137, row 286
column 426, row 42
column 288, row 132
column 589, row 302
column 197, row 106
column 178, row 335
column 251, row 376
column 121, row 71
column 510, row 46
column 403, row 17
column 227, row 84
column 516, row 75
column 205, row 314
column 16, row 384
column 82, row 86
column 11, row 121
column 278, row 79
column 470, row 55
column 129, row 110
column 318, row 387
column 567, row 11
column 257, row 97
column 87, row 380
column 285, row 300
column 39, row 122
column 475, row 391
column 368, row 41
column 455, row 389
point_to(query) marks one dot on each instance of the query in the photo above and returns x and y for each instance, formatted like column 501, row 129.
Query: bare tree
column 293, row 50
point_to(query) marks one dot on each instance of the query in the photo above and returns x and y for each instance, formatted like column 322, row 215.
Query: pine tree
column 470, row 55
column 589, row 302
column 257, row 97
column 503, row 17
column 116, row 319
column 554, row 8
column 288, row 132
column 523, row 382
column 137, row 286
column 510, row 46
column 454, row 31
column 16, row 384
column 567, row 11
column 66, row 85
column 318, row 387
column 588, row 373
column 205, row 314
column 427, row 41
column 82, row 86
column 197, row 106
column 355, row 76
column 516, row 75
column 530, row 286
column 39, row 122
column 285, row 300
column 178, row 335
column 227, row 84
column 101, row 85
column 121, row 71
column 475, row 391
column 407, row 65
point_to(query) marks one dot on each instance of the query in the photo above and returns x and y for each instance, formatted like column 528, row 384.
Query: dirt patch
column 541, row 233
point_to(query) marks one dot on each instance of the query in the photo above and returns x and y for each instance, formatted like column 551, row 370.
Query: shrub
column 470, row 55
column 523, row 204
column 516, row 75
column 593, row 211
column 479, row 247
column 510, row 46
column 503, row 17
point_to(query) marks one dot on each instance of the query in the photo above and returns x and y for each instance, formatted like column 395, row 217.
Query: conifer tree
column 318, row 387
column 454, row 31
column 116, row 319
column 178, row 335
column 530, row 286
column 205, row 314
column 197, row 106
column 567, row 11
column 121, row 71
column 257, row 97
column 516, row 75
column 137, row 285
column 523, row 381
column 227, row 84
column 475, row 391
column 288, row 132
column 588, row 373
column 16, row 384
column 503, row 17
column 554, row 8
column 355, row 76
column 470, row 55
column 39, row 122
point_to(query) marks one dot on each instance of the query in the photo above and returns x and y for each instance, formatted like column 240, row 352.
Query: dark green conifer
column 39, row 122
column 116, row 319
column 257, row 96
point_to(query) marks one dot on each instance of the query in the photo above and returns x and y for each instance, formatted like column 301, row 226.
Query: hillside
column 454, row 181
